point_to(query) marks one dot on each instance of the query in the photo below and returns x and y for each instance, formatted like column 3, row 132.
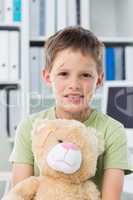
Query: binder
column 71, row 12
column 3, row 113
column 17, row 10
column 14, row 55
column 129, row 63
column 42, row 20
column 14, row 111
column 1, row 11
column 78, row 12
column 3, row 55
column 8, row 11
column 61, row 14
column 110, row 63
column 50, row 17
column 34, row 71
column 119, row 63
column 85, row 14
column 34, row 18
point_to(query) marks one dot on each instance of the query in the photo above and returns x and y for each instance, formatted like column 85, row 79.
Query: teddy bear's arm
column 24, row 190
column 91, row 192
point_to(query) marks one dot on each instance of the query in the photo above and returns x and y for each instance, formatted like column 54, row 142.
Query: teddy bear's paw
column 12, row 196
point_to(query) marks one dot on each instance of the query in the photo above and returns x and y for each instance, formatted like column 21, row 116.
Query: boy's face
column 74, row 79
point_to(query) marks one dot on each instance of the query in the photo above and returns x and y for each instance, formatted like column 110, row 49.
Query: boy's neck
column 80, row 116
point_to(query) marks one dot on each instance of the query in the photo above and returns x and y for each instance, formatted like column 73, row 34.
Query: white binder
column 50, row 17
column 34, row 18
column 14, row 55
column 129, row 63
column 14, row 111
column 71, row 13
column 42, row 17
column 8, row 11
column 3, row 114
column 85, row 14
column 34, row 70
column 61, row 14
column 3, row 55
column 1, row 10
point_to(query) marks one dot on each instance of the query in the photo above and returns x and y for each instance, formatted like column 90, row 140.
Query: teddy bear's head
column 66, row 149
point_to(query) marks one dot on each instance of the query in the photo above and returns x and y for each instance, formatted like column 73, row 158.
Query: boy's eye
column 86, row 75
column 63, row 74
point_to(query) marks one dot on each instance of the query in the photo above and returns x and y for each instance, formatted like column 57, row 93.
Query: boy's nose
column 74, row 84
column 69, row 146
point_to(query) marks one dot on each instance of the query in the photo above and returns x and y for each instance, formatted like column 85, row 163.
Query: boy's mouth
column 74, row 98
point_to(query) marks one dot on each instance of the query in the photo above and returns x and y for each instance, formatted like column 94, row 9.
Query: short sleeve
column 22, row 151
column 116, row 153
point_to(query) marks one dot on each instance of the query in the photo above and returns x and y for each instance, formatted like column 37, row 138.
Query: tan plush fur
column 53, row 184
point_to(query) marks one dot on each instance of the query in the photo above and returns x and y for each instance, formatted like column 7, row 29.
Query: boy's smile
column 74, row 78
column 74, row 98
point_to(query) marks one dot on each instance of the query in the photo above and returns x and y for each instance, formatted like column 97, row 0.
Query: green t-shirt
column 115, row 154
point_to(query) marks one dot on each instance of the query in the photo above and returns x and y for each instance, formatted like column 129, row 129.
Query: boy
column 74, row 69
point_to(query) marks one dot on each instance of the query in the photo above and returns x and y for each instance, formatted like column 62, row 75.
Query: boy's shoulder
column 30, row 119
column 107, row 119
column 103, row 122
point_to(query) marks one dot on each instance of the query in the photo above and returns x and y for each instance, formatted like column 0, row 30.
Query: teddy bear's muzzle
column 65, row 157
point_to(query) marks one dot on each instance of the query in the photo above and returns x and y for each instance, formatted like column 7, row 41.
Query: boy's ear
column 46, row 76
column 100, row 80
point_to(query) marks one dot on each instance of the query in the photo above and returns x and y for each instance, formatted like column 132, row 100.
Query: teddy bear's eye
column 60, row 141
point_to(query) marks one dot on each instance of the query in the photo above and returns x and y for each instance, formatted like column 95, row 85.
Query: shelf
column 13, row 26
column 10, row 82
column 38, row 41
column 10, row 85
column 116, row 40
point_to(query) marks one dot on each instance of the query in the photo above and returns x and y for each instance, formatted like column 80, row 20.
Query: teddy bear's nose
column 69, row 146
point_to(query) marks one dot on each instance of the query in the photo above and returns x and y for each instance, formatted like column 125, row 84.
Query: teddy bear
column 66, row 152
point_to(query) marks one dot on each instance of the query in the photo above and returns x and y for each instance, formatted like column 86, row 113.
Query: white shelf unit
column 6, row 139
column 23, row 79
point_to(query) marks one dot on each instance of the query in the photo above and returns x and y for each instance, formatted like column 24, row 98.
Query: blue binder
column 110, row 63
column 17, row 10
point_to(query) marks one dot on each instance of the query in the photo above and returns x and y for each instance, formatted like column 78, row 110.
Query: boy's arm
column 20, row 172
column 112, row 186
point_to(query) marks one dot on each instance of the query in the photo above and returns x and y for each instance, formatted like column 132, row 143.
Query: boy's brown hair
column 76, row 38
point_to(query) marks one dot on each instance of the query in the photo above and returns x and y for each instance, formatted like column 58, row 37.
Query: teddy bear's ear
column 99, row 140
column 38, row 125
column 41, row 130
